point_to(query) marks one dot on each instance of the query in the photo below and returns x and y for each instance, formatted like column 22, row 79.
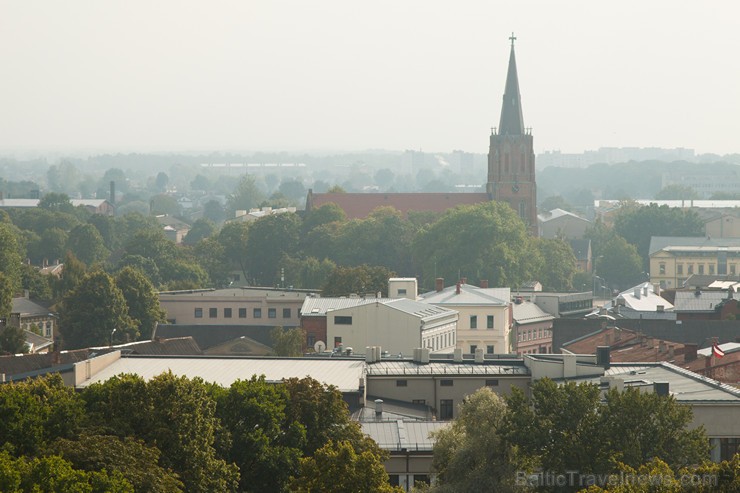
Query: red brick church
column 511, row 171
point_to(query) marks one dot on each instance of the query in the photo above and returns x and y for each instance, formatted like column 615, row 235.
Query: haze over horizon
column 426, row 75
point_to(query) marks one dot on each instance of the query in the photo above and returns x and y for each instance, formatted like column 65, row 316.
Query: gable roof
column 698, row 301
column 469, row 295
column 28, row 308
column 658, row 243
column 360, row 205
column 558, row 213
column 527, row 312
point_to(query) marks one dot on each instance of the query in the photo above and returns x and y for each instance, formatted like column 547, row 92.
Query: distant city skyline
column 334, row 76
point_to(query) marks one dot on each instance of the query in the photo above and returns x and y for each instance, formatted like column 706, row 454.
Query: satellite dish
column 319, row 346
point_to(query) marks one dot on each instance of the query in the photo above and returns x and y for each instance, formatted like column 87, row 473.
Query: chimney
column 689, row 352
column 637, row 293
column 439, row 284
column 645, row 290
column 457, row 288
column 656, row 288
column 484, row 283
column 55, row 357
column 661, row 388
column 603, row 357
column 671, row 351
column 661, row 347
column 378, row 408
column 112, row 192
column 463, row 280
column 479, row 355
column 458, row 355
column 45, row 262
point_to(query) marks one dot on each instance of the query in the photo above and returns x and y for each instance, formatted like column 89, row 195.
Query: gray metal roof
column 409, row 368
column 245, row 292
column 698, row 301
column 398, row 435
column 28, row 308
column 320, row 306
column 684, row 385
column 529, row 313
column 658, row 243
column 469, row 295
column 425, row 311
column 556, row 213
column 344, row 374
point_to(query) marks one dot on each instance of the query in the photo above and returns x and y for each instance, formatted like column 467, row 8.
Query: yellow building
column 675, row 259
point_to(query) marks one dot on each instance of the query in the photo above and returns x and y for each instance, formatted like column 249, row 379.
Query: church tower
column 511, row 176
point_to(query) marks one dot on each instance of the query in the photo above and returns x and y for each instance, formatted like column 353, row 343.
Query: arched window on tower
column 523, row 209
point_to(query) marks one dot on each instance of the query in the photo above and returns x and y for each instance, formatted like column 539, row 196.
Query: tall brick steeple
column 511, row 174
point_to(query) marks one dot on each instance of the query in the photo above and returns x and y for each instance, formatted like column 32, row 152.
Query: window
column 489, row 322
column 401, row 291
column 212, row 312
column 393, row 480
column 679, row 269
column 272, row 313
column 198, row 313
column 338, row 320
column 474, row 321
column 701, row 268
column 711, row 269
column 691, row 268
column 661, row 268
column 421, row 478
column 310, row 340
column 227, row 312
column 337, row 341
column 242, row 313
column 402, row 383
column 445, row 409
column 540, row 334
column 445, row 383
column 732, row 269
column 473, row 347
column 489, row 349
column 286, row 312
column 419, row 401
column 519, row 336
column 492, row 383
column 728, row 447
column 257, row 313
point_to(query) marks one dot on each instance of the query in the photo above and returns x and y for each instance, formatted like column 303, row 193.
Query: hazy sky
column 346, row 75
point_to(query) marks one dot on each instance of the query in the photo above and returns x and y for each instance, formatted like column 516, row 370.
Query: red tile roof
column 360, row 205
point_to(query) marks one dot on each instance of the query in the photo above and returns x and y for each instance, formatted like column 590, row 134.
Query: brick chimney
column 689, row 352
column 464, row 280
column 457, row 288
column 484, row 283
column 439, row 284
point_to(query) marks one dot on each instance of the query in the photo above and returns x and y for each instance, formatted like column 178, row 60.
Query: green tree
column 184, row 427
column 287, row 342
column 358, row 280
column 663, row 431
column 637, row 224
column 211, row 255
column 95, row 314
column 322, row 412
column 50, row 246
column 270, row 238
column 36, row 412
column 146, row 265
column 349, row 470
column 245, row 196
column 484, row 241
column 214, row 211
column 555, row 202
column 108, row 227
column 137, row 462
column 6, row 298
column 558, row 264
column 164, row 204
column 619, row 264
column 200, row 230
column 12, row 340
column 87, row 244
column 141, row 299
column 309, row 273
column 472, row 455
column 161, row 181
column 233, row 237
column 264, row 443
column 10, row 258
column 293, row 190
column 676, row 192
column 327, row 213
column 58, row 202
column 72, row 274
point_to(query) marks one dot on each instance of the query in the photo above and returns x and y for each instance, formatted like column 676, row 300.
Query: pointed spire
column 511, row 122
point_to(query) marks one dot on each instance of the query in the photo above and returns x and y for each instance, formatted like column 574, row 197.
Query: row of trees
column 174, row 434
column 500, row 444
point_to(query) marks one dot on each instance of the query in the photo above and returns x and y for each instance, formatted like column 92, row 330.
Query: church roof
column 512, row 122
column 360, row 205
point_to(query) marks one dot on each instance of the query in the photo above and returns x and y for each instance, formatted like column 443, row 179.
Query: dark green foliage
column 6, row 297
column 287, row 342
column 141, row 299
column 10, row 258
column 58, row 202
column 269, row 238
column 92, row 311
column 200, row 230
column 12, row 339
column 87, row 244
column 558, row 264
column 362, row 280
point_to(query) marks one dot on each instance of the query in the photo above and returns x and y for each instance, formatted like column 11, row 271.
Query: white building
column 485, row 318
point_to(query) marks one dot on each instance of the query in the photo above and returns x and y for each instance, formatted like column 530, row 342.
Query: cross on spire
column 512, row 38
